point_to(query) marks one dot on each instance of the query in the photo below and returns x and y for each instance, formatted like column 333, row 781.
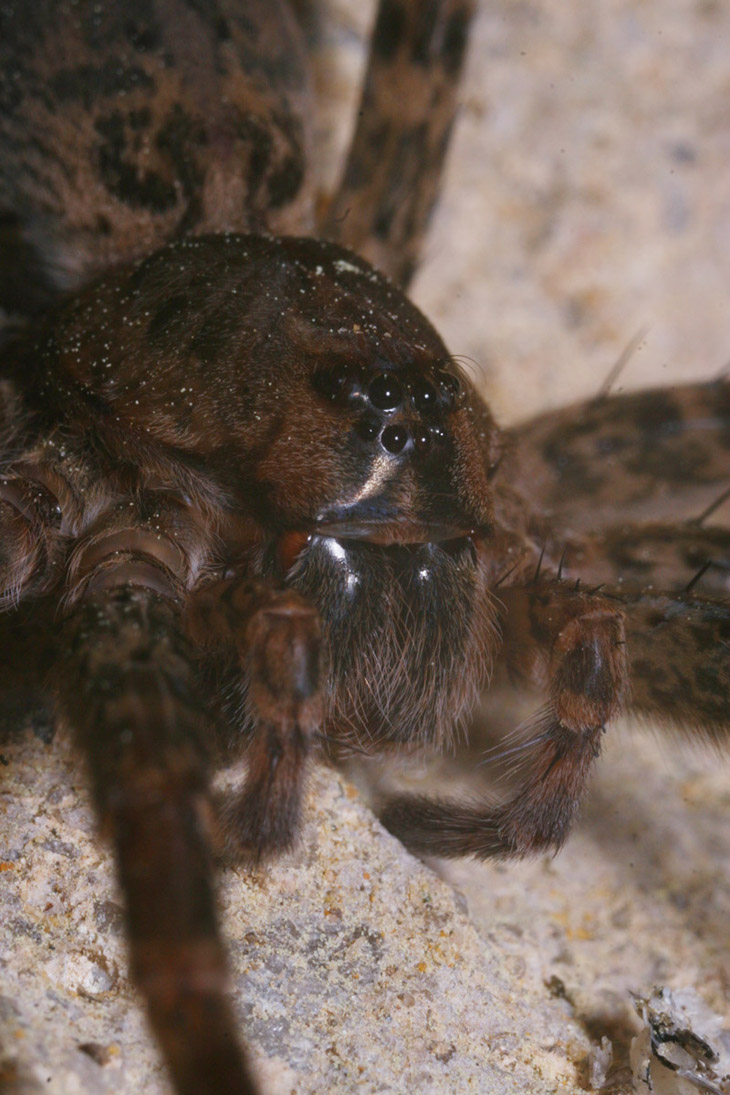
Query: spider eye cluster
column 402, row 410
column 385, row 392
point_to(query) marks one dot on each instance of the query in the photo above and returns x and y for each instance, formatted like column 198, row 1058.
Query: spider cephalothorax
column 262, row 507
column 327, row 415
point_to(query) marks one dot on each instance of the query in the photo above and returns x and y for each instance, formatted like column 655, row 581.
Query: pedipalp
column 573, row 645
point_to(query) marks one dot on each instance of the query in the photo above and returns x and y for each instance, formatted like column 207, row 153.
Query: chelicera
column 265, row 511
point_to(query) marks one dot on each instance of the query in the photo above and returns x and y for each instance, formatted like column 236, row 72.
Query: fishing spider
column 252, row 504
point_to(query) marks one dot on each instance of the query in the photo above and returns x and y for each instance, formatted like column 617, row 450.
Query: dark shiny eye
column 367, row 428
column 333, row 381
column 425, row 396
column 385, row 392
column 422, row 440
column 450, row 387
column 393, row 438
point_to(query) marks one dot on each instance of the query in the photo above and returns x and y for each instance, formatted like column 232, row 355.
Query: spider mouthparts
column 393, row 532
column 292, row 543
column 290, row 547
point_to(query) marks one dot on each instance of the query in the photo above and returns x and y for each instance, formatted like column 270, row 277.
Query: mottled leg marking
column 662, row 454
column 126, row 688
column 635, row 557
column 679, row 653
column 276, row 636
column 406, row 115
column 575, row 643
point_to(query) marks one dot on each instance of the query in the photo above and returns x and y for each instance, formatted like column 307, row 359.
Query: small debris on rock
column 683, row 1048
column 600, row 1059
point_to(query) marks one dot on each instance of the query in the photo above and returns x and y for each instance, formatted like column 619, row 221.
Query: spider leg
column 275, row 634
column 34, row 510
column 127, row 688
column 574, row 643
column 679, row 651
column 405, row 119
column 30, row 537
column 672, row 558
column 659, row 454
column 27, row 653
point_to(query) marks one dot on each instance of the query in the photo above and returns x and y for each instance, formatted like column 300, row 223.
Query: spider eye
column 425, row 396
column 385, row 392
column 450, row 388
column 422, row 440
column 367, row 428
column 394, row 438
column 333, row 381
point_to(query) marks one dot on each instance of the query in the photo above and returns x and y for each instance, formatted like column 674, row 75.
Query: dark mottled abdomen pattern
column 125, row 125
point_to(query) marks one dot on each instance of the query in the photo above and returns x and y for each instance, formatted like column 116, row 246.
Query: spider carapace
column 264, row 510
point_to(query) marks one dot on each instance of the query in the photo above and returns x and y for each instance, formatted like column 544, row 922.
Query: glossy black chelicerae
column 262, row 506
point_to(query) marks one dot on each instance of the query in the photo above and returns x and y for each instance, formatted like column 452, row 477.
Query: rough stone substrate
column 587, row 197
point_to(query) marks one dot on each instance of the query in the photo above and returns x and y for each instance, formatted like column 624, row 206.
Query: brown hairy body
column 264, row 509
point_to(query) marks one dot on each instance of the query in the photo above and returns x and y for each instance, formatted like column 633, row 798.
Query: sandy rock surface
column 355, row 968
column 587, row 198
